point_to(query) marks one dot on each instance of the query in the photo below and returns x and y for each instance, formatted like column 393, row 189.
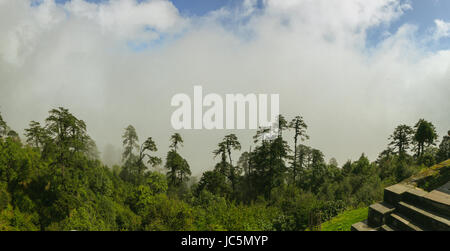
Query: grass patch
column 433, row 177
column 345, row 220
column 436, row 180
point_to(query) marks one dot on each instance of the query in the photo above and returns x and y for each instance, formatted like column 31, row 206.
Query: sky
column 354, row 69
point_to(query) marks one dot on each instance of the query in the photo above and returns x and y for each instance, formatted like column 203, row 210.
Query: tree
column 264, row 135
column 3, row 127
column 299, row 126
column 280, row 148
column 146, row 148
column 401, row 138
column 176, row 140
column 362, row 166
column 317, row 158
column 267, row 161
column 13, row 134
column 36, row 135
column 333, row 162
column 444, row 148
column 303, row 156
column 261, row 160
column 244, row 163
column 178, row 168
column 130, row 143
column 6, row 131
column 282, row 124
column 134, row 166
column 230, row 142
column 68, row 134
column 279, row 152
column 425, row 134
column 214, row 182
column 221, row 151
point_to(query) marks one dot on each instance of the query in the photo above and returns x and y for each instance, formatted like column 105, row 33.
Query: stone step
column 402, row 223
column 423, row 217
column 445, row 188
column 362, row 226
column 378, row 214
column 393, row 194
column 440, row 200
column 386, row 228
column 434, row 201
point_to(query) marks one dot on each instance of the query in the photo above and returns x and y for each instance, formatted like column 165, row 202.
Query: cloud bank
column 119, row 62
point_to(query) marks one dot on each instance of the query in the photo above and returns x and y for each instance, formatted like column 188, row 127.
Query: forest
column 53, row 179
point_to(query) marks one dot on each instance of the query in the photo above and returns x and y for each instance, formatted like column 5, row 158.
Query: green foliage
column 401, row 138
column 5, row 131
column 14, row 220
column 267, row 163
column 343, row 221
column 36, row 135
column 437, row 178
column 56, row 182
column 215, row 213
column 425, row 134
column 5, row 197
column 130, row 140
column 296, row 207
column 229, row 143
column 66, row 137
column 299, row 126
column 175, row 141
column 178, row 168
column 3, row 126
column 161, row 214
column 214, row 182
column 444, row 149
column 83, row 218
column 134, row 168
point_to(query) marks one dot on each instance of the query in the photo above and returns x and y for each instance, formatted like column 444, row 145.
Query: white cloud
column 129, row 18
column 442, row 29
column 351, row 15
column 21, row 27
column 310, row 52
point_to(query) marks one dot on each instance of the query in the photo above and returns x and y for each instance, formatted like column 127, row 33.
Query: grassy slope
column 344, row 221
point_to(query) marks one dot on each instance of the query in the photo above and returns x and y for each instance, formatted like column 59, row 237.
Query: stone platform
column 409, row 208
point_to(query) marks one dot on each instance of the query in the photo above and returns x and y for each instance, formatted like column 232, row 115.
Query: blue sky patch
column 422, row 15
